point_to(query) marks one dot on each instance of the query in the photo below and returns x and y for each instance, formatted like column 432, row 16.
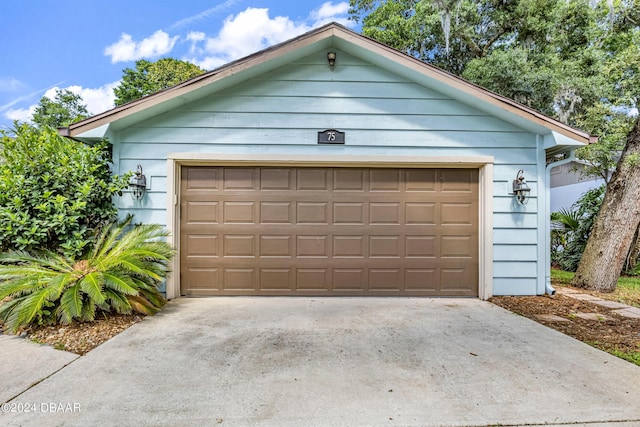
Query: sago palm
column 121, row 273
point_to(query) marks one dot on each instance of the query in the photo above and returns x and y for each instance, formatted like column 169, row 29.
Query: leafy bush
column 120, row 273
column 572, row 229
column 54, row 192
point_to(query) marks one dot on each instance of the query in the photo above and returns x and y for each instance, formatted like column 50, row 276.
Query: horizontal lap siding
column 381, row 113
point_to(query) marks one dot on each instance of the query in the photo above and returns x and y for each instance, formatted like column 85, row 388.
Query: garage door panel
column 387, row 180
column 276, row 213
column 457, row 247
column 239, row 279
column 386, row 279
column 201, row 246
column 276, row 246
column 239, row 212
column 347, row 180
column 349, row 213
column 202, row 178
column 201, row 212
column 421, row 246
column 349, row 279
column 312, row 246
column 277, row 279
column 459, row 180
column 313, row 279
column 421, row 213
column 385, row 246
column 385, row 213
column 312, row 213
column 421, row 180
column 239, row 179
column 243, row 246
column 328, row 231
column 312, row 179
column 276, row 179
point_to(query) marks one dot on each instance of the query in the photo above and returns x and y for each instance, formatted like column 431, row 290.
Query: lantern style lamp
column 520, row 188
column 331, row 57
column 138, row 184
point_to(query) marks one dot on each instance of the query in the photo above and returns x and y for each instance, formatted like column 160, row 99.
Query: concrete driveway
column 336, row 362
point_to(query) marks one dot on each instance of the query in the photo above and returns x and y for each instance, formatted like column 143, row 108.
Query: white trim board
column 484, row 164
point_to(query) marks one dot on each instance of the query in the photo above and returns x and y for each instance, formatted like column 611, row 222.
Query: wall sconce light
column 138, row 184
column 331, row 57
column 520, row 188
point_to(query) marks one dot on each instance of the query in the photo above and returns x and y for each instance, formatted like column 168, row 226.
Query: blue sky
column 83, row 45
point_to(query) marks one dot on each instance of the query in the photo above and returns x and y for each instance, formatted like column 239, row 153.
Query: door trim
column 484, row 164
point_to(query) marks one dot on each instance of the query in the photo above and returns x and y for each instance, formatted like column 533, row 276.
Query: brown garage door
column 328, row 231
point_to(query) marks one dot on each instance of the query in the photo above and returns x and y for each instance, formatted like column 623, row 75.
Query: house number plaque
column 331, row 136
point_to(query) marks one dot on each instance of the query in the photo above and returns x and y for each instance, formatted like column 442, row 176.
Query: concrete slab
column 566, row 291
column 24, row 363
column 592, row 316
column 631, row 312
column 552, row 318
column 337, row 361
column 584, row 297
column 610, row 304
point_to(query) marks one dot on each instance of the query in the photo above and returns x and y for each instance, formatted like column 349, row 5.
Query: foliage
column 121, row 273
column 612, row 128
column 573, row 227
column 53, row 191
column 150, row 77
column 627, row 290
column 64, row 109
column 556, row 56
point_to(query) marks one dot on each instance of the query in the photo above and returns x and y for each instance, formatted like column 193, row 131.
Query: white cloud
column 97, row 101
column 20, row 114
column 11, row 84
column 253, row 30
column 203, row 15
column 126, row 49
column 330, row 12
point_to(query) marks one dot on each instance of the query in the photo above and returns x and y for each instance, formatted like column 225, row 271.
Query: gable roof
column 558, row 137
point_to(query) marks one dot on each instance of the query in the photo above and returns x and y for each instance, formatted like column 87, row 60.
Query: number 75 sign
column 331, row 136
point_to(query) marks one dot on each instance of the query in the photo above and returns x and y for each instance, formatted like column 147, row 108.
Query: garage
column 328, row 231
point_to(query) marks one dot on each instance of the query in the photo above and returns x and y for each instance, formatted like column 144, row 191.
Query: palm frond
column 91, row 284
column 70, row 304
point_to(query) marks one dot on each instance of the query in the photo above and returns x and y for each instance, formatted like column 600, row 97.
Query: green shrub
column 572, row 229
column 120, row 273
column 54, row 192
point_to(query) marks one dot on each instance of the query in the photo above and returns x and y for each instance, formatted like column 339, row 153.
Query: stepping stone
column 631, row 312
column 566, row 291
column 552, row 318
column 584, row 297
column 592, row 316
column 610, row 304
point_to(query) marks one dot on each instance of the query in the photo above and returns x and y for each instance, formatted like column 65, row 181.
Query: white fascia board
column 94, row 134
column 555, row 139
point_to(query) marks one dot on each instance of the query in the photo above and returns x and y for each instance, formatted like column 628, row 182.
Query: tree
column 64, row 109
column 574, row 60
column 151, row 77
column 54, row 191
column 612, row 236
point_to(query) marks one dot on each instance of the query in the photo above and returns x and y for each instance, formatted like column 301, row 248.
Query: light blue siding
column 381, row 113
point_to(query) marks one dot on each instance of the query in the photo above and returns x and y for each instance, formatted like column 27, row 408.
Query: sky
column 84, row 45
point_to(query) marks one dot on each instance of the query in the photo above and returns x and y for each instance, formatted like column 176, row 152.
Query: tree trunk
column 612, row 234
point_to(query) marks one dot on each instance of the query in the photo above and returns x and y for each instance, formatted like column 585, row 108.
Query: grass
column 627, row 291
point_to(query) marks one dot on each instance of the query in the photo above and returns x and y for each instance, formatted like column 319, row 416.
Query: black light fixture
column 331, row 57
column 520, row 188
column 138, row 184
